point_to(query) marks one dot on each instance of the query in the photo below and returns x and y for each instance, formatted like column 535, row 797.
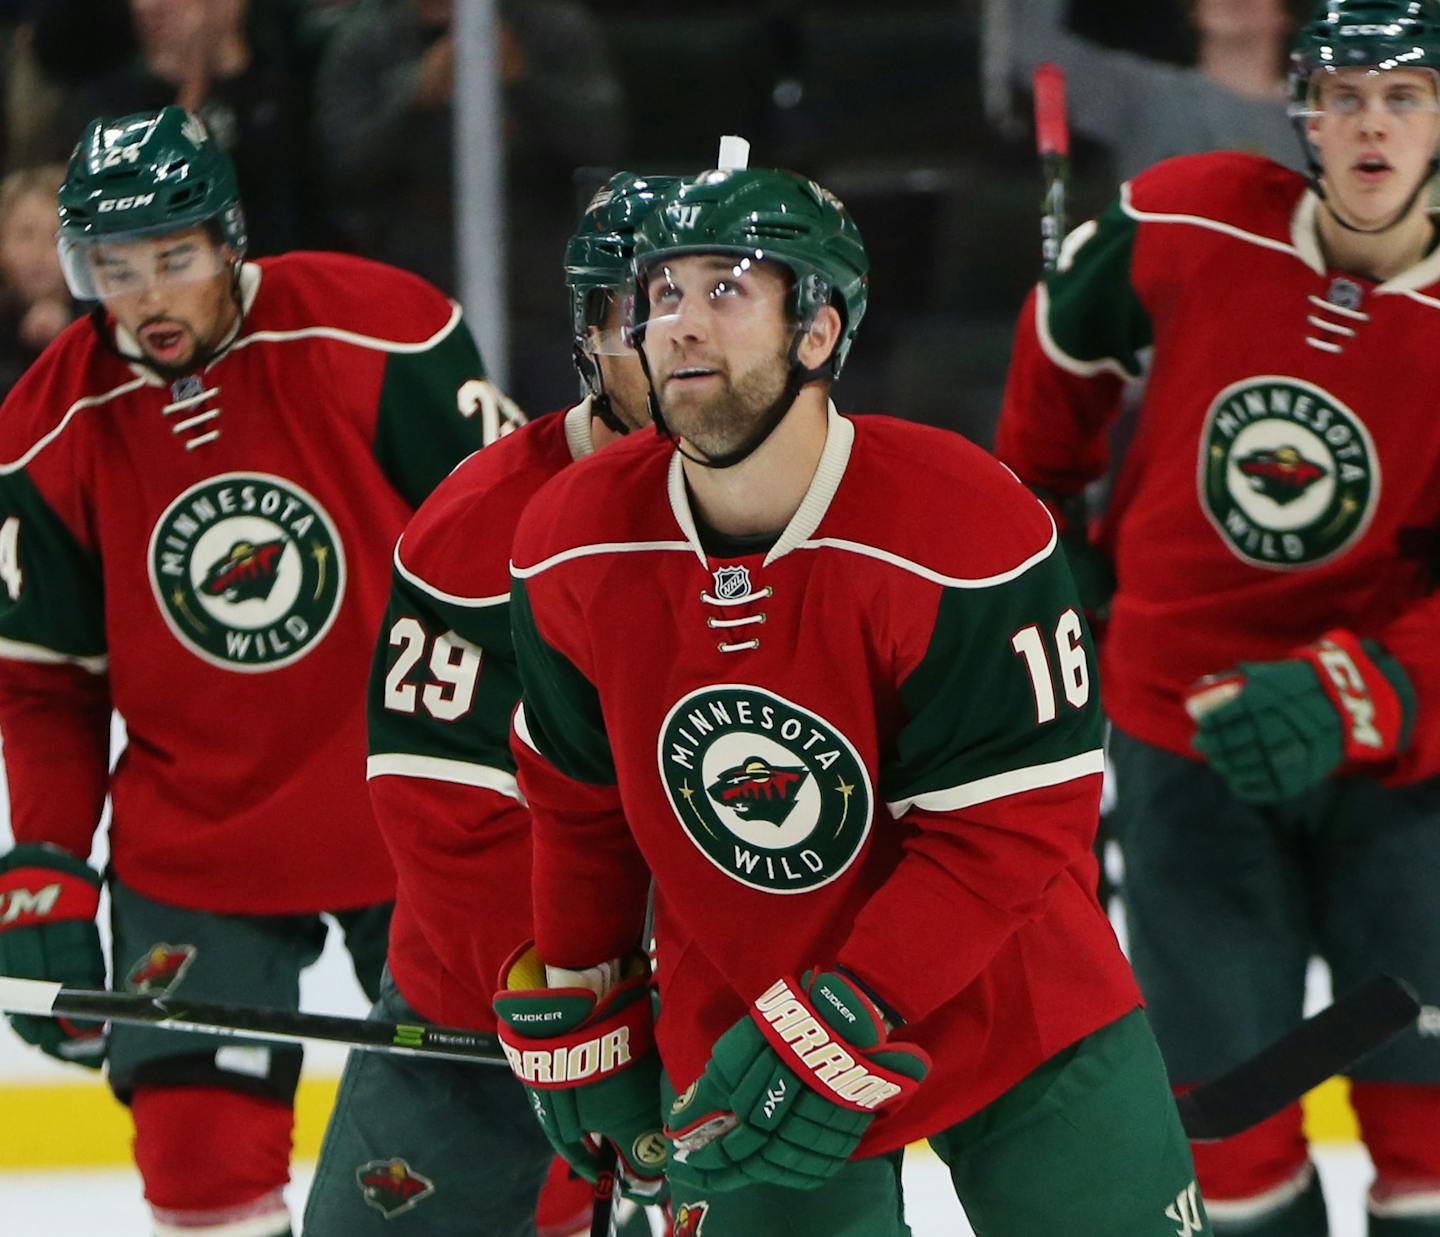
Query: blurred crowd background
column 338, row 115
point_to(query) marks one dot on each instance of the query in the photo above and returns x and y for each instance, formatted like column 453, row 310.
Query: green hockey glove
column 790, row 1089
column 1275, row 729
column 1090, row 566
column 590, row 1066
column 48, row 902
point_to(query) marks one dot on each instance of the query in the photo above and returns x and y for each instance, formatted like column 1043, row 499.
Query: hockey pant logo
column 1185, row 1211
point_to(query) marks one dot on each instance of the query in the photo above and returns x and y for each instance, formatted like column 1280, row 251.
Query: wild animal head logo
column 247, row 571
column 392, row 1186
column 161, row 969
column 1282, row 474
column 690, row 1219
column 758, row 790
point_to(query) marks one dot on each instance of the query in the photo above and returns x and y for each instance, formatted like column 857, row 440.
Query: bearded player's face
column 172, row 293
column 717, row 340
column 1376, row 132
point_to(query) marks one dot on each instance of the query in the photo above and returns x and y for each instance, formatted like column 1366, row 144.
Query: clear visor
column 1353, row 94
column 603, row 325
column 701, row 311
column 103, row 268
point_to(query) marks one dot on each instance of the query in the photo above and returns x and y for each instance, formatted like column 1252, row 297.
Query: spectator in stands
column 384, row 136
column 1143, row 110
column 231, row 62
column 34, row 304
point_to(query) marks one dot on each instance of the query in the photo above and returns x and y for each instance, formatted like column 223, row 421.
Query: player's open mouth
column 691, row 374
column 1371, row 169
column 163, row 341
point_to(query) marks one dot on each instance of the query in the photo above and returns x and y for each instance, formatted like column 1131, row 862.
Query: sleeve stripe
column 1002, row 785
column 436, row 769
column 15, row 650
column 499, row 599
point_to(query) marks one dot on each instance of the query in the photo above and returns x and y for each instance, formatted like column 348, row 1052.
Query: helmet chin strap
column 594, row 379
column 796, row 377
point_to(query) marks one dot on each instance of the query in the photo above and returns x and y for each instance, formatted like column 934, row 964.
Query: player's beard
column 717, row 424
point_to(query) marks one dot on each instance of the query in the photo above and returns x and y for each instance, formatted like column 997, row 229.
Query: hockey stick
column 1052, row 140
column 174, row 1013
column 1361, row 1021
column 1326, row 1044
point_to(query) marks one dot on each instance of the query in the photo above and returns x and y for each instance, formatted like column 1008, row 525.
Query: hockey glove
column 48, row 902
column 590, row 1066
column 1276, row 729
column 790, row 1089
column 1090, row 566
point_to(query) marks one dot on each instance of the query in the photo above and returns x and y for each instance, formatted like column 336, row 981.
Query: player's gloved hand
column 1093, row 572
column 590, row 1066
column 48, row 902
column 1275, row 729
column 791, row 1088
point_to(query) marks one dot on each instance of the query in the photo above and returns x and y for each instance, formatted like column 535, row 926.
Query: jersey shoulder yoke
column 1246, row 195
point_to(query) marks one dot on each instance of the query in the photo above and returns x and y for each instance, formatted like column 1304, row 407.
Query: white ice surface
column 108, row 1204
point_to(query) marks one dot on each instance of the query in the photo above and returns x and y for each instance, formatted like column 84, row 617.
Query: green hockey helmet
column 766, row 214
column 142, row 176
column 1359, row 34
column 598, row 255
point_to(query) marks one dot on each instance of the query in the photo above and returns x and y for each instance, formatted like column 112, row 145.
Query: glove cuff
column 41, row 884
column 1373, row 712
column 826, row 1061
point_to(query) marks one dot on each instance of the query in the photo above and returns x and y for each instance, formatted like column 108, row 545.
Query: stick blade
column 1357, row 1024
column 1052, row 129
column 27, row 996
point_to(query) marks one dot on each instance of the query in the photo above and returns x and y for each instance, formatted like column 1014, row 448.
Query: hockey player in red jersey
column 200, row 487
column 827, row 681
column 1270, row 666
column 442, row 782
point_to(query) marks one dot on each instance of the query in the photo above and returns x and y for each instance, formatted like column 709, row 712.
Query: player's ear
column 821, row 338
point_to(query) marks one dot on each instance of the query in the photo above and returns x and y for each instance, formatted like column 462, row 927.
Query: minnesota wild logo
column 1288, row 474
column 770, row 792
column 248, row 570
column 392, row 1186
column 161, row 969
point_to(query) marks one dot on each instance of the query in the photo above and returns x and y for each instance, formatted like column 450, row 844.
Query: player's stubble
column 719, row 422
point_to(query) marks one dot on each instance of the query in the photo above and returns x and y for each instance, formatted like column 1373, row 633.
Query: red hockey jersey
column 876, row 745
column 211, row 556
column 1282, row 476
column 442, row 780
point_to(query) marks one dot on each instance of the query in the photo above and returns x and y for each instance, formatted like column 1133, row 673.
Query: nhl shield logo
column 732, row 583
column 161, row 969
column 1288, row 475
column 392, row 1186
column 248, row 571
column 770, row 792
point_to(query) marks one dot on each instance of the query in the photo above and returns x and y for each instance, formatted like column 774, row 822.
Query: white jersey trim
column 1003, row 785
column 438, row 769
column 38, row 654
column 579, row 435
column 88, row 401
column 1214, row 225
column 347, row 337
column 454, row 599
column 1422, row 1204
column 522, row 728
column 604, row 547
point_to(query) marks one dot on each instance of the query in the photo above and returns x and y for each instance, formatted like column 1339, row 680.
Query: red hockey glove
column 48, row 901
column 1276, row 729
column 791, row 1088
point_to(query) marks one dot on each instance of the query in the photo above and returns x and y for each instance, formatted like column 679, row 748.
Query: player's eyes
column 1403, row 101
column 1345, row 104
column 725, row 288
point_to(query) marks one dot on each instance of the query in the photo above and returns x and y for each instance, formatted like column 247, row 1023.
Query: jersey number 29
column 454, row 668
